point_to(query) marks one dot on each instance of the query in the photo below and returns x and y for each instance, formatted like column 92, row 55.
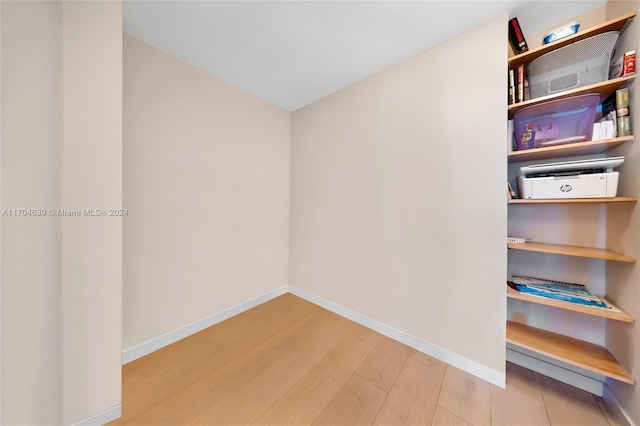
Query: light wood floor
column 289, row 362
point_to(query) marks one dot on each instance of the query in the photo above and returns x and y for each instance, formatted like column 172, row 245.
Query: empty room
column 294, row 212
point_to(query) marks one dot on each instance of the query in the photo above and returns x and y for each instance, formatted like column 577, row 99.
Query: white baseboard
column 574, row 376
column 103, row 417
column 451, row 358
column 616, row 409
column 166, row 339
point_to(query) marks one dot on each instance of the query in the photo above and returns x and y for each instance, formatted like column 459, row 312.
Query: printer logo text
column 566, row 188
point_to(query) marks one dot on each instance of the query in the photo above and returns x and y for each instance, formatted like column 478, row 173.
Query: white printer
column 593, row 178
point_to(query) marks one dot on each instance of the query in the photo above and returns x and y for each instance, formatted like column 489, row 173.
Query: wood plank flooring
column 289, row 362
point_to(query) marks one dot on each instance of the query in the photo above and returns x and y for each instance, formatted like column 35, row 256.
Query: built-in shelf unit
column 579, row 353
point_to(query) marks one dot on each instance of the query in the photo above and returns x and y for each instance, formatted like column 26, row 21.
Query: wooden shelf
column 567, row 349
column 613, row 312
column 618, row 24
column 575, row 200
column 585, row 355
column 567, row 150
column 604, row 89
column 594, row 253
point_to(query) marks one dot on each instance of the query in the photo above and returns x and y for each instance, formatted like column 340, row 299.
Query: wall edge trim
column 173, row 336
column 616, row 408
column 102, row 417
column 472, row 367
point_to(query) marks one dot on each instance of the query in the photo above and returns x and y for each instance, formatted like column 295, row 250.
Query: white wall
column 61, row 149
column 31, row 125
column 0, row 219
column 398, row 196
column 623, row 234
column 207, row 187
column 92, row 179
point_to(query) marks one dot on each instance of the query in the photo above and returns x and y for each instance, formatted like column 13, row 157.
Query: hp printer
column 593, row 178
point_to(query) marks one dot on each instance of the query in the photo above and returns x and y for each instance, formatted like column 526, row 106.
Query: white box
column 595, row 185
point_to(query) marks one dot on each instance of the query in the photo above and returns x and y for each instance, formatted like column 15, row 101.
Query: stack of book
column 517, row 85
column 615, row 117
column 605, row 128
column 568, row 292
column 517, row 82
column 622, row 111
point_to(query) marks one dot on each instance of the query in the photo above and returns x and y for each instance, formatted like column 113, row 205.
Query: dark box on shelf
column 516, row 38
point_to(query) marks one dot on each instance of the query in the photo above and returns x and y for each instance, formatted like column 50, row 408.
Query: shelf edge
column 580, row 35
column 618, row 314
column 576, row 251
column 580, row 347
column 524, row 201
column 591, row 88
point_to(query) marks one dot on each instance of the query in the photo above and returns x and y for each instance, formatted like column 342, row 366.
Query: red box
column 629, row 62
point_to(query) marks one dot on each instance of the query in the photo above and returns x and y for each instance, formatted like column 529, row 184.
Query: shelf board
column 567, row 349
column 594, row 253
column 575, row 200
column 604, row 89
column 618, row 24
column 613, row 312
column 567, row 150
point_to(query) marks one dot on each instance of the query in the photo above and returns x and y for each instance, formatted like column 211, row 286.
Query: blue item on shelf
column 554, row 35
column 558, row 290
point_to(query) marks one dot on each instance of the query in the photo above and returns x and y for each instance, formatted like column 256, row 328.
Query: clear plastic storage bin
column 567, row 120
column 575, row 65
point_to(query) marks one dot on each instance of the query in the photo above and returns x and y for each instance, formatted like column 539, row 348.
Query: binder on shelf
column 558, row 290
column 512, row 87
column 516, row 38
column 510, row 138
column 520, row 83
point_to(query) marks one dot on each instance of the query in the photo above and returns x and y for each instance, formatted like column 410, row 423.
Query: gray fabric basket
column 575, row 65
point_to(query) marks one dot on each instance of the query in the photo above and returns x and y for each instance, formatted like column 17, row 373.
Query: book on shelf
column 511, row 143
column 622, row 111
column 520, row 83
column 516, row 38
column 624, row 126
column 511, row 194
column 609, row 105
column 595, row 134
column 558, row 290
column 604, row 129
column 512, row 87
column 607, row 126
column 610, row 129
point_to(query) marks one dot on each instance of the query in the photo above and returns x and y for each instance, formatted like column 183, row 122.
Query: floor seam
column 305, row 375
column 390, row 388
